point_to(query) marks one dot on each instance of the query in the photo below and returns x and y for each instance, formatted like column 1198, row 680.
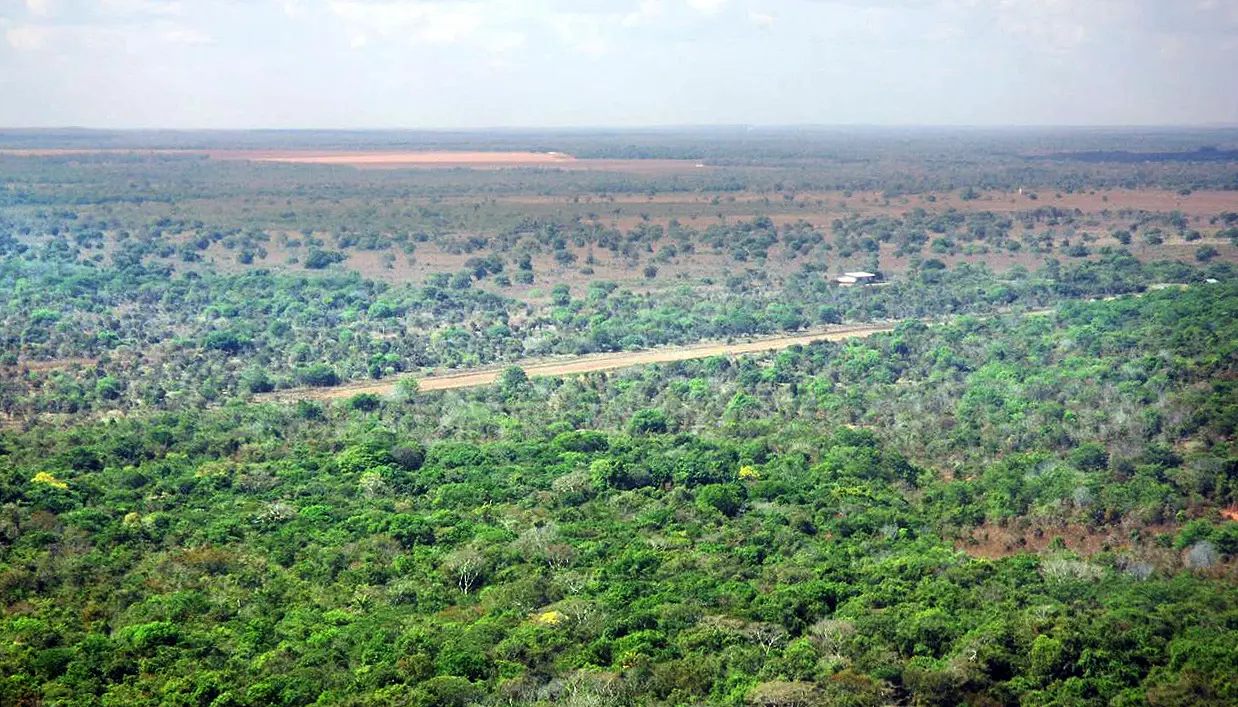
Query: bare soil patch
column 58, row 364
column 1200, row 203
column 995, row 542
column 489, row 161
column 412, row 159
column 403, row 159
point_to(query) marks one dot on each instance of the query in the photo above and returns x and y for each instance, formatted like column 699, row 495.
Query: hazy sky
column 484, row 63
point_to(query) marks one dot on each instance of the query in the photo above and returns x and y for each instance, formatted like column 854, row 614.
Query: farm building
column 859, row 277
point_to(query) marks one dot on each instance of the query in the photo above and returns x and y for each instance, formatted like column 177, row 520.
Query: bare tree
column 466, row 566
column 768, row 636
column 778, row 693
column 1202, row 554
column 829, row 635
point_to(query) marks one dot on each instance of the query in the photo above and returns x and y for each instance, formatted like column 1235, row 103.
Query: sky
column 622, row 63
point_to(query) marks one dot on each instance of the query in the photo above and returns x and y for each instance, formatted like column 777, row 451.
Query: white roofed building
column 857, row 277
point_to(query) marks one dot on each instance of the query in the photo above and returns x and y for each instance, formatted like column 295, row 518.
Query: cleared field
column 458, row 160
column 55, row 365
column 584, row 364
column 410, row 159
column 403, row 159
column 810, row 205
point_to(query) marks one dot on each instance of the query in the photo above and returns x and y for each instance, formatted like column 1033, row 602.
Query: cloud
column 761, row 19
column 39, row 8
column 430, row 22
column 176, row 34
column 945, row 32
column 707, row 7
column 27, row 38
column 142, row 7
column 69, row 38
column 581, row 31
column 1147, row 60
column 646, row 11
column 506, row 42
column 1057, row 25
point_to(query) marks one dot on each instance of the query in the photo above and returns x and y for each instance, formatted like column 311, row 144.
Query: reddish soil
column 366, row 159
column 1202, row 203
column 430, row 258
column 470, row 160
column 993, row 542
column 403, row 159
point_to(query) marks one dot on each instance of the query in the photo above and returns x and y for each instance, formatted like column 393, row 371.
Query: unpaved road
column 582, row 364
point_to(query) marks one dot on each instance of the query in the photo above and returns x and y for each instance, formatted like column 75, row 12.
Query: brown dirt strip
column 458, row 160
column 583, row 364
column 345, row 157
column 54, row 364
column 406, row 159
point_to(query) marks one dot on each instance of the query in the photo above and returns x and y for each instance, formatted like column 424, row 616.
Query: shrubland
column 1024, row 493
column 786, row 529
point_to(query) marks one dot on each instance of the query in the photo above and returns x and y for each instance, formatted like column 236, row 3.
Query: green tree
column 727, row 499
column 109, row 388
column 513, row 381
column 646, row 422
column 320, row 375
column 1206, row 253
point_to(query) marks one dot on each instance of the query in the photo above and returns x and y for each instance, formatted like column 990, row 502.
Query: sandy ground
column 366, row 159
column 406, row 158
column 583, row 364
column 455, row 160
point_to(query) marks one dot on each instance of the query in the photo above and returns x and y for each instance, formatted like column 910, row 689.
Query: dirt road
column 582, row 364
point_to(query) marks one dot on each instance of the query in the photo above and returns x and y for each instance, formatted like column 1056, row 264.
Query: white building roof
column 860, row 274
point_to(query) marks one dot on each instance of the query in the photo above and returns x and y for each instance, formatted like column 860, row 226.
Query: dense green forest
column 703, row 532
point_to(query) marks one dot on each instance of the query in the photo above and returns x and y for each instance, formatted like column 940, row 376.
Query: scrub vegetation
column 1025, row 492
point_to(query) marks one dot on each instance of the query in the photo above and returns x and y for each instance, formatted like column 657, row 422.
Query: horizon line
column 639, row 128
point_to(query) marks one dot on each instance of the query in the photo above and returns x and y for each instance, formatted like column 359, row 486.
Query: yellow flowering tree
column 45, row 478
